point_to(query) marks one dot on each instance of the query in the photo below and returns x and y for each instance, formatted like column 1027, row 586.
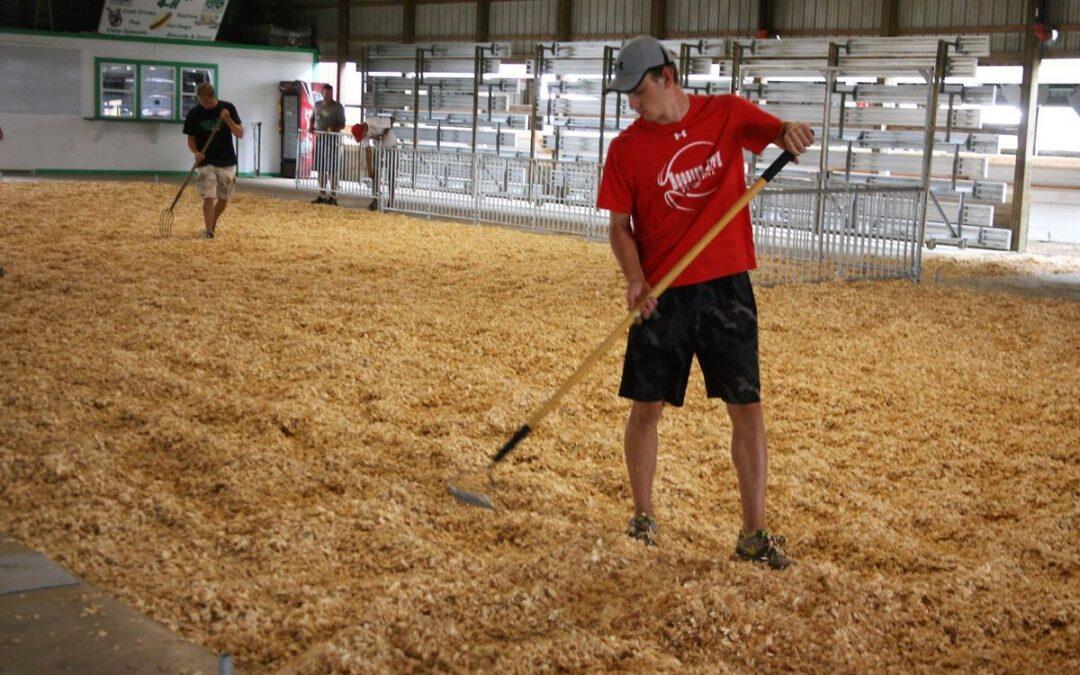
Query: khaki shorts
column 217, row 182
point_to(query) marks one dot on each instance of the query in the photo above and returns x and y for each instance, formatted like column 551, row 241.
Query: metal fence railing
column 863, row 233
column 801, row 234
column 325, row 158
column 541, row 195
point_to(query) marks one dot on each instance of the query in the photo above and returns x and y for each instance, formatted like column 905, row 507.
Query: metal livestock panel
column 864, row 233
column 451, row 19
column 823, row 15
column 523, row 17
column 847, row 232
column 376, row 22
column 610, row 17
column 690, row 17
column 539, row 195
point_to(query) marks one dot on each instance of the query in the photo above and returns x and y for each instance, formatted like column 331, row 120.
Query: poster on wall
column 165, row 19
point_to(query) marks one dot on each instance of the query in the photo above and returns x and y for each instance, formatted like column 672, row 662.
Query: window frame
column 178, row 86
column 180, row 83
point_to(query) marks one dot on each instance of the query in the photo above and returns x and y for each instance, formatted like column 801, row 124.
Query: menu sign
column 173, row 19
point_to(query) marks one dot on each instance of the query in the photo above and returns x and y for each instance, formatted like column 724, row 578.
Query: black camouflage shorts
column 714, row 320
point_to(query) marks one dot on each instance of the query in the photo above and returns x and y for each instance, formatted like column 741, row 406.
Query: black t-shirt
column 200, row 122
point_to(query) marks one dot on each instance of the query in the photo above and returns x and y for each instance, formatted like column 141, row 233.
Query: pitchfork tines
column 165, row 223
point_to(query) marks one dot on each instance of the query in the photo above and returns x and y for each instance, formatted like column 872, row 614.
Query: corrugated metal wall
column 1067, row 12
column 523, row 17
column 456, row 19
column 822, row 16
column 966, row 14
column 610, row 17
column 323, row 22
column 696, row 17
column 919, row 13
column 592, row 19
column 376, row 23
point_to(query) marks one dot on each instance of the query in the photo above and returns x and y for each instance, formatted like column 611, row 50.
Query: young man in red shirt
column 668, row 179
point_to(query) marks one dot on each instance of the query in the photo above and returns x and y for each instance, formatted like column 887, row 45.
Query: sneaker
column 208, row 235
column 644, row 529
column 373, row 206
column 319, row 200
column 764, row 548
column 332, row 201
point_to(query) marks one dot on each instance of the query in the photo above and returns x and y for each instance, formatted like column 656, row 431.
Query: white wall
column 247, row 76
column 1055, row 196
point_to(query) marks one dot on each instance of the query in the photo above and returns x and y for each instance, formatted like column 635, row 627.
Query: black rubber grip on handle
column 777, row 165
column 514, row 440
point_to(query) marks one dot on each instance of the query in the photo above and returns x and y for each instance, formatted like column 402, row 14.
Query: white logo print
column 681, row 184
column 680, row 134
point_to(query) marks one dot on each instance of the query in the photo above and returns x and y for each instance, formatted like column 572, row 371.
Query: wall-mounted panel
column 21, row 69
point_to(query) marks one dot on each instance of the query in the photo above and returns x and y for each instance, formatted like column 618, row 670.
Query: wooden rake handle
column 635, row 313
column 195, row 165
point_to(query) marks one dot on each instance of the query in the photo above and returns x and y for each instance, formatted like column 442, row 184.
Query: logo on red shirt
column 685, row 173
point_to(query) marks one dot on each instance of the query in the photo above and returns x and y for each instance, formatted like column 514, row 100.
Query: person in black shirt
column 217, row 166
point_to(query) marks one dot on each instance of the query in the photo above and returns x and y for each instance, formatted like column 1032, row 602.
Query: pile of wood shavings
column 250, row 439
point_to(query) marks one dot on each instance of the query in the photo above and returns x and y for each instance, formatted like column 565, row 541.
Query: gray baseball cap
column 636, row 57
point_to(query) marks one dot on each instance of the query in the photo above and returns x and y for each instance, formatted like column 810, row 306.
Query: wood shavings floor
column 250, row 439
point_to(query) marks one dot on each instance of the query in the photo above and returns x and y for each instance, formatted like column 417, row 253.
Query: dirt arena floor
column 250, row 439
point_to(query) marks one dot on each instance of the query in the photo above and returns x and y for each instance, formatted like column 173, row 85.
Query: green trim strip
column 106, row 172
column 147, row 120
column 135, row 172
column 171, row 41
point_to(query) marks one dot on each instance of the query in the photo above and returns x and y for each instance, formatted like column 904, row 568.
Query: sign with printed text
column 165, row 19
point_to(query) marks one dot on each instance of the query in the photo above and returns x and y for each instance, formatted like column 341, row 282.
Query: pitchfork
column 165, row 221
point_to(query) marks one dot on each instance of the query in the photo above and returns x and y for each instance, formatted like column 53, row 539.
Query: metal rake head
column 472, row 498
column 165, row 223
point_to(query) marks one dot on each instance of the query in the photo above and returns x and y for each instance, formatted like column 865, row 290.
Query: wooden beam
column 764, row 18
column 483, row 20
column 960, row 30
column 408, row 22
column 658, row 19
column 342, row 51
column 565, row 29
column 888, row 17
column 1025, row 135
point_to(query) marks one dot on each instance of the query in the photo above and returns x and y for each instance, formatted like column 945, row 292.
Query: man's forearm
column 626, row 254
column 191, row 145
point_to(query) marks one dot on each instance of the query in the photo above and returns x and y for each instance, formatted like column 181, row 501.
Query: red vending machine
column 297, row 100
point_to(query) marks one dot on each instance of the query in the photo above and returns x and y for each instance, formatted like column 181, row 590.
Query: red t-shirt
column 677, row 180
